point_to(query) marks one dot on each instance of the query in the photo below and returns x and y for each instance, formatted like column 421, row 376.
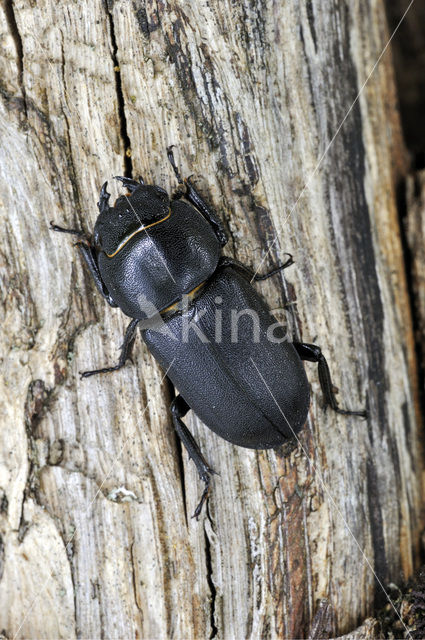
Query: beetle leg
column 196, row 199
column 90, row 258
column 126, row 348
column 178, row 193
column 74, row 232
column 129, row 183
column 89, row 255
column 170, row 156
column 103, row 203
column 208, row 212
column 179, row 408
column 313, row 353
column 280, row 267
column 226, row 261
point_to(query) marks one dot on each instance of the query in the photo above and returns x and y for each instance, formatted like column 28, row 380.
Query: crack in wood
column 128, row 164
column 213, row 590
column 13, row 27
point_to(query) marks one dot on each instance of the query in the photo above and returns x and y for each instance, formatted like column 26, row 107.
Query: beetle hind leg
column 179, row 408
column 126, row 349
column 313, row 353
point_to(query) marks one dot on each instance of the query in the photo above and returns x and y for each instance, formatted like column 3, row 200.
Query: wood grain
column 96, row 494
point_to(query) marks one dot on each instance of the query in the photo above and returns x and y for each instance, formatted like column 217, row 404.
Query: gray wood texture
column 96, row 494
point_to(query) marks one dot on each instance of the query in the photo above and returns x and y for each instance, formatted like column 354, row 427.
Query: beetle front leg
column 313, row 353
column 179, row 408
column 196, row 199
column 129, row 183
column 126, row 348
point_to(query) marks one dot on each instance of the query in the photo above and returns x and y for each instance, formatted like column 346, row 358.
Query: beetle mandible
column 149, row 254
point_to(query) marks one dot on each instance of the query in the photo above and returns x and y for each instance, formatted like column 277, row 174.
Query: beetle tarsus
column 172, row 161
column 126, row 349
column 103, row 203
column 249, row 274
column 179, row 408
column 313, row 353
column 204, row 496
column 280, row 267
column 129, row 183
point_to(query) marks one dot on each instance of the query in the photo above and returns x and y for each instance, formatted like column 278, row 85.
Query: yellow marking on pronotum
column 124, row 242
column 190, row 295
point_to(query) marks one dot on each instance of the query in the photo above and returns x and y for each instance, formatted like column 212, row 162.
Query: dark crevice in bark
column 71, row 326
column 128, row 164
column 37, row 400
column 4, row 502
column 2, row 557
column 409, row 266
column 182, row 61
column 67, row 139
column 70, row 555
column 408, row 50
column 419, row 160
column 213, row 590
column 13, row 27
column 133, row 577
column 311, row 23
column 351, row 241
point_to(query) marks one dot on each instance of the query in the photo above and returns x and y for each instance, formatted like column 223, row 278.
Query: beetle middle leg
column 249, row 274
column 179, row 408
column 313, row 353
column 126, row 348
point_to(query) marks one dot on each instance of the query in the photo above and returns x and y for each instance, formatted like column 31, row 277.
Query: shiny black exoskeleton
column 160, row 261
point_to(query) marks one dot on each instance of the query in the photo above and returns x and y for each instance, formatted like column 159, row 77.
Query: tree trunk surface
column 96, row 494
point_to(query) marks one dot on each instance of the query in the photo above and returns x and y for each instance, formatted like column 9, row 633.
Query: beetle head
column 145, row 205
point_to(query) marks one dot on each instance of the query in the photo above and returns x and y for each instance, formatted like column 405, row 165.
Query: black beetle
column 160, row 261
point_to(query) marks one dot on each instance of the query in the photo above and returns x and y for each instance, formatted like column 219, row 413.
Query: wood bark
column 96, row 494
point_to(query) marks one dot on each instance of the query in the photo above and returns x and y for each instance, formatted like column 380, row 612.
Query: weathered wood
column 96, row 534
column 415, row 229
column 368, row 630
